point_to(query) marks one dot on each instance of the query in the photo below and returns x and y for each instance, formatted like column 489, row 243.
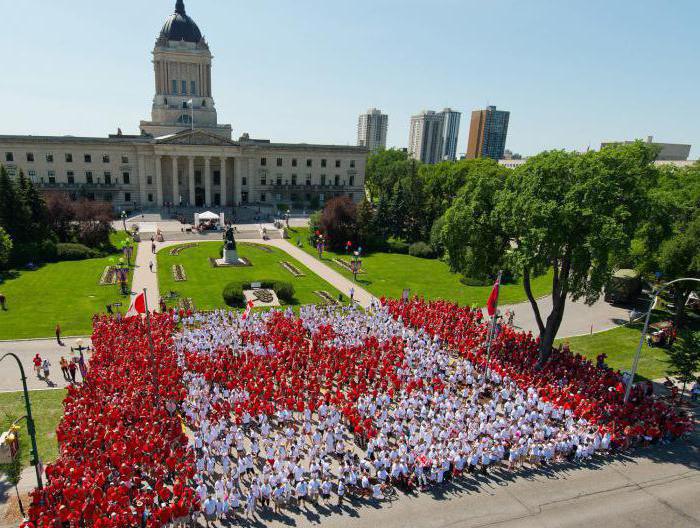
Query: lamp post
column 635, row 363
column 356, row 263
column 124, row 219
column 30, row 421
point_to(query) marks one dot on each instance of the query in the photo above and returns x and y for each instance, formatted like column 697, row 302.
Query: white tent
column 208, row 215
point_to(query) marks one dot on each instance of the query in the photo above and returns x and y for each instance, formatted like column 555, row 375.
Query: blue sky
column 572, row 73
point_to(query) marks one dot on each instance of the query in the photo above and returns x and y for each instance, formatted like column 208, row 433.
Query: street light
column 356, row 263
column 124, row 219
column 635, row 363
column 30, row 422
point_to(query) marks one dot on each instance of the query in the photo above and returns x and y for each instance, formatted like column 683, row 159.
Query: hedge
column 68, row 251
column 421, row 250
column 233, row 291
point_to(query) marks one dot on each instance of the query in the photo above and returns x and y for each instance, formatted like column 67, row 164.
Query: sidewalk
column 145, row 278
column 362, row 296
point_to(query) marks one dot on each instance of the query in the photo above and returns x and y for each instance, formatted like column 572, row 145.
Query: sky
column 572, row 73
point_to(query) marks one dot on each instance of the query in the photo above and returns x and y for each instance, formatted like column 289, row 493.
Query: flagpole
column 150, row 342
column 492, row 329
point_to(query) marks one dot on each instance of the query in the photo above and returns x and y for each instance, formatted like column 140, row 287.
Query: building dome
column 180, row 27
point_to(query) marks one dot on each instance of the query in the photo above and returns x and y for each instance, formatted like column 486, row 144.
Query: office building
column 450, row 134
column 666, row 151
column 183, row 155
column 371, row 130
column 488, row 130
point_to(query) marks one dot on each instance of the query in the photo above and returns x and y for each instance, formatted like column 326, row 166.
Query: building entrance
column 199, row 196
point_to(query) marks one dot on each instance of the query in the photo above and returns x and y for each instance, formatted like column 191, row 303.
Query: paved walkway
column 143, row 276
column 579, row 318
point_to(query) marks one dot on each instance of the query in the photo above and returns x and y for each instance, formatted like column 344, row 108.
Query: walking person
column 150, row 266
column 72, row 369
column 64, row 368
column 3, row 301
column 352, row 295
column 37, row 365
column 153, row 245
column 58, row 334
column 45, row 366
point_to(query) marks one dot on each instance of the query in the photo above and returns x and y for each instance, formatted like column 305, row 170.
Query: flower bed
column 179, row 274
column 346, row 265
column 186, row 304
column 291, row 268
column 327, row 297
column 180, row 248
column 121, row 450
column 109, row 276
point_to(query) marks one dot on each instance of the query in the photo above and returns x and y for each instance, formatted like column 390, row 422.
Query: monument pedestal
column 230, row 256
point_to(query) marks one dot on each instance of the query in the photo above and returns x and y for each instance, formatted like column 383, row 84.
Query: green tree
column 368, row 233
column 668, row 241
column 684, row 358
column 5, row 247
column 473, row 238
column 571, row 213
column 384, row 169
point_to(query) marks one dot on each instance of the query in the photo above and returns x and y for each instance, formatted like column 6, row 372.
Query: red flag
column 493, row 299
column 249, row 307
column 139, row 304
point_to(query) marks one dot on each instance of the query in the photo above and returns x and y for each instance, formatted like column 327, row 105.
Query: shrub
column 397, row 246
column 473, row 281
column 284, row 290
column 233, row 294
column 421, row 250
column 36, row 252
column 67, row 251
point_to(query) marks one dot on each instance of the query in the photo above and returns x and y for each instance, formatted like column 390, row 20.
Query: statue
column 230, row 241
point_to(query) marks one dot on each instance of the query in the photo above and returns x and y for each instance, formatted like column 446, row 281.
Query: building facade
column 183, row 156
column 372, row 127
column 666, row 151
column 450, row 133
column 488, row 130
column 433, row 135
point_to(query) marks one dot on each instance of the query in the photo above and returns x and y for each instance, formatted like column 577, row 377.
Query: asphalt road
column 658, row 487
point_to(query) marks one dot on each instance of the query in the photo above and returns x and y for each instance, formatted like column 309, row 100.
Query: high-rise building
column 433, row 135
column 487, row 133
column 371, row 130
column 450, row 133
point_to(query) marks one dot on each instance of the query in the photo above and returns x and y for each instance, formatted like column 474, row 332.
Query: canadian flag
column 139, row 304
column 248, row 308
column 493, row 299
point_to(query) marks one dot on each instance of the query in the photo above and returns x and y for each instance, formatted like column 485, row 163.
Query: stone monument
column 230, row 252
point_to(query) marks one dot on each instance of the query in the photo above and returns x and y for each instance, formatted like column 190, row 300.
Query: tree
column 368, row 233
column 94, row 222
column 61, row 213
column 668, row 241
column 384, row 169
column 471, row 234
column 571, row 213
column 5, row 247
column 684, row 358
column 339, row 221
column 14, row 215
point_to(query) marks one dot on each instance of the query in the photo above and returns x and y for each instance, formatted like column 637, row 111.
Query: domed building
column 183, row 158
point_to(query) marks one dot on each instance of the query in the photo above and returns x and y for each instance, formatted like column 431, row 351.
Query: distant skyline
column 571, row 74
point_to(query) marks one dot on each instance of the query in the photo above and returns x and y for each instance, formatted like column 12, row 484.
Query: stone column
column 159, row 181
column 143, row 198
column 207, row 181
column 176, row 184
column 191, row 179
column 242, row 171
column 224, row 190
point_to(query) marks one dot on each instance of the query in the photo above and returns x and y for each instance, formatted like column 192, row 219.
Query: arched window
column 185, row 119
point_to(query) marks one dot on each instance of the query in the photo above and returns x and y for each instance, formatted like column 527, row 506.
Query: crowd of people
column 124, row 459
column 284, row 409
column 338, row 401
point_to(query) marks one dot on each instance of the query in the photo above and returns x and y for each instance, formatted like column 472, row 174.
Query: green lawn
column 47, row 410
column 68, row 293
column 387, row 274
column 620, row 344
column 204, row 284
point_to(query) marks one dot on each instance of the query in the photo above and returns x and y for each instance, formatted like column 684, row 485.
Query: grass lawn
column 620, row 344
column 68, row 293
column 387, row 274
column 204, row 284
column 47, row 410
